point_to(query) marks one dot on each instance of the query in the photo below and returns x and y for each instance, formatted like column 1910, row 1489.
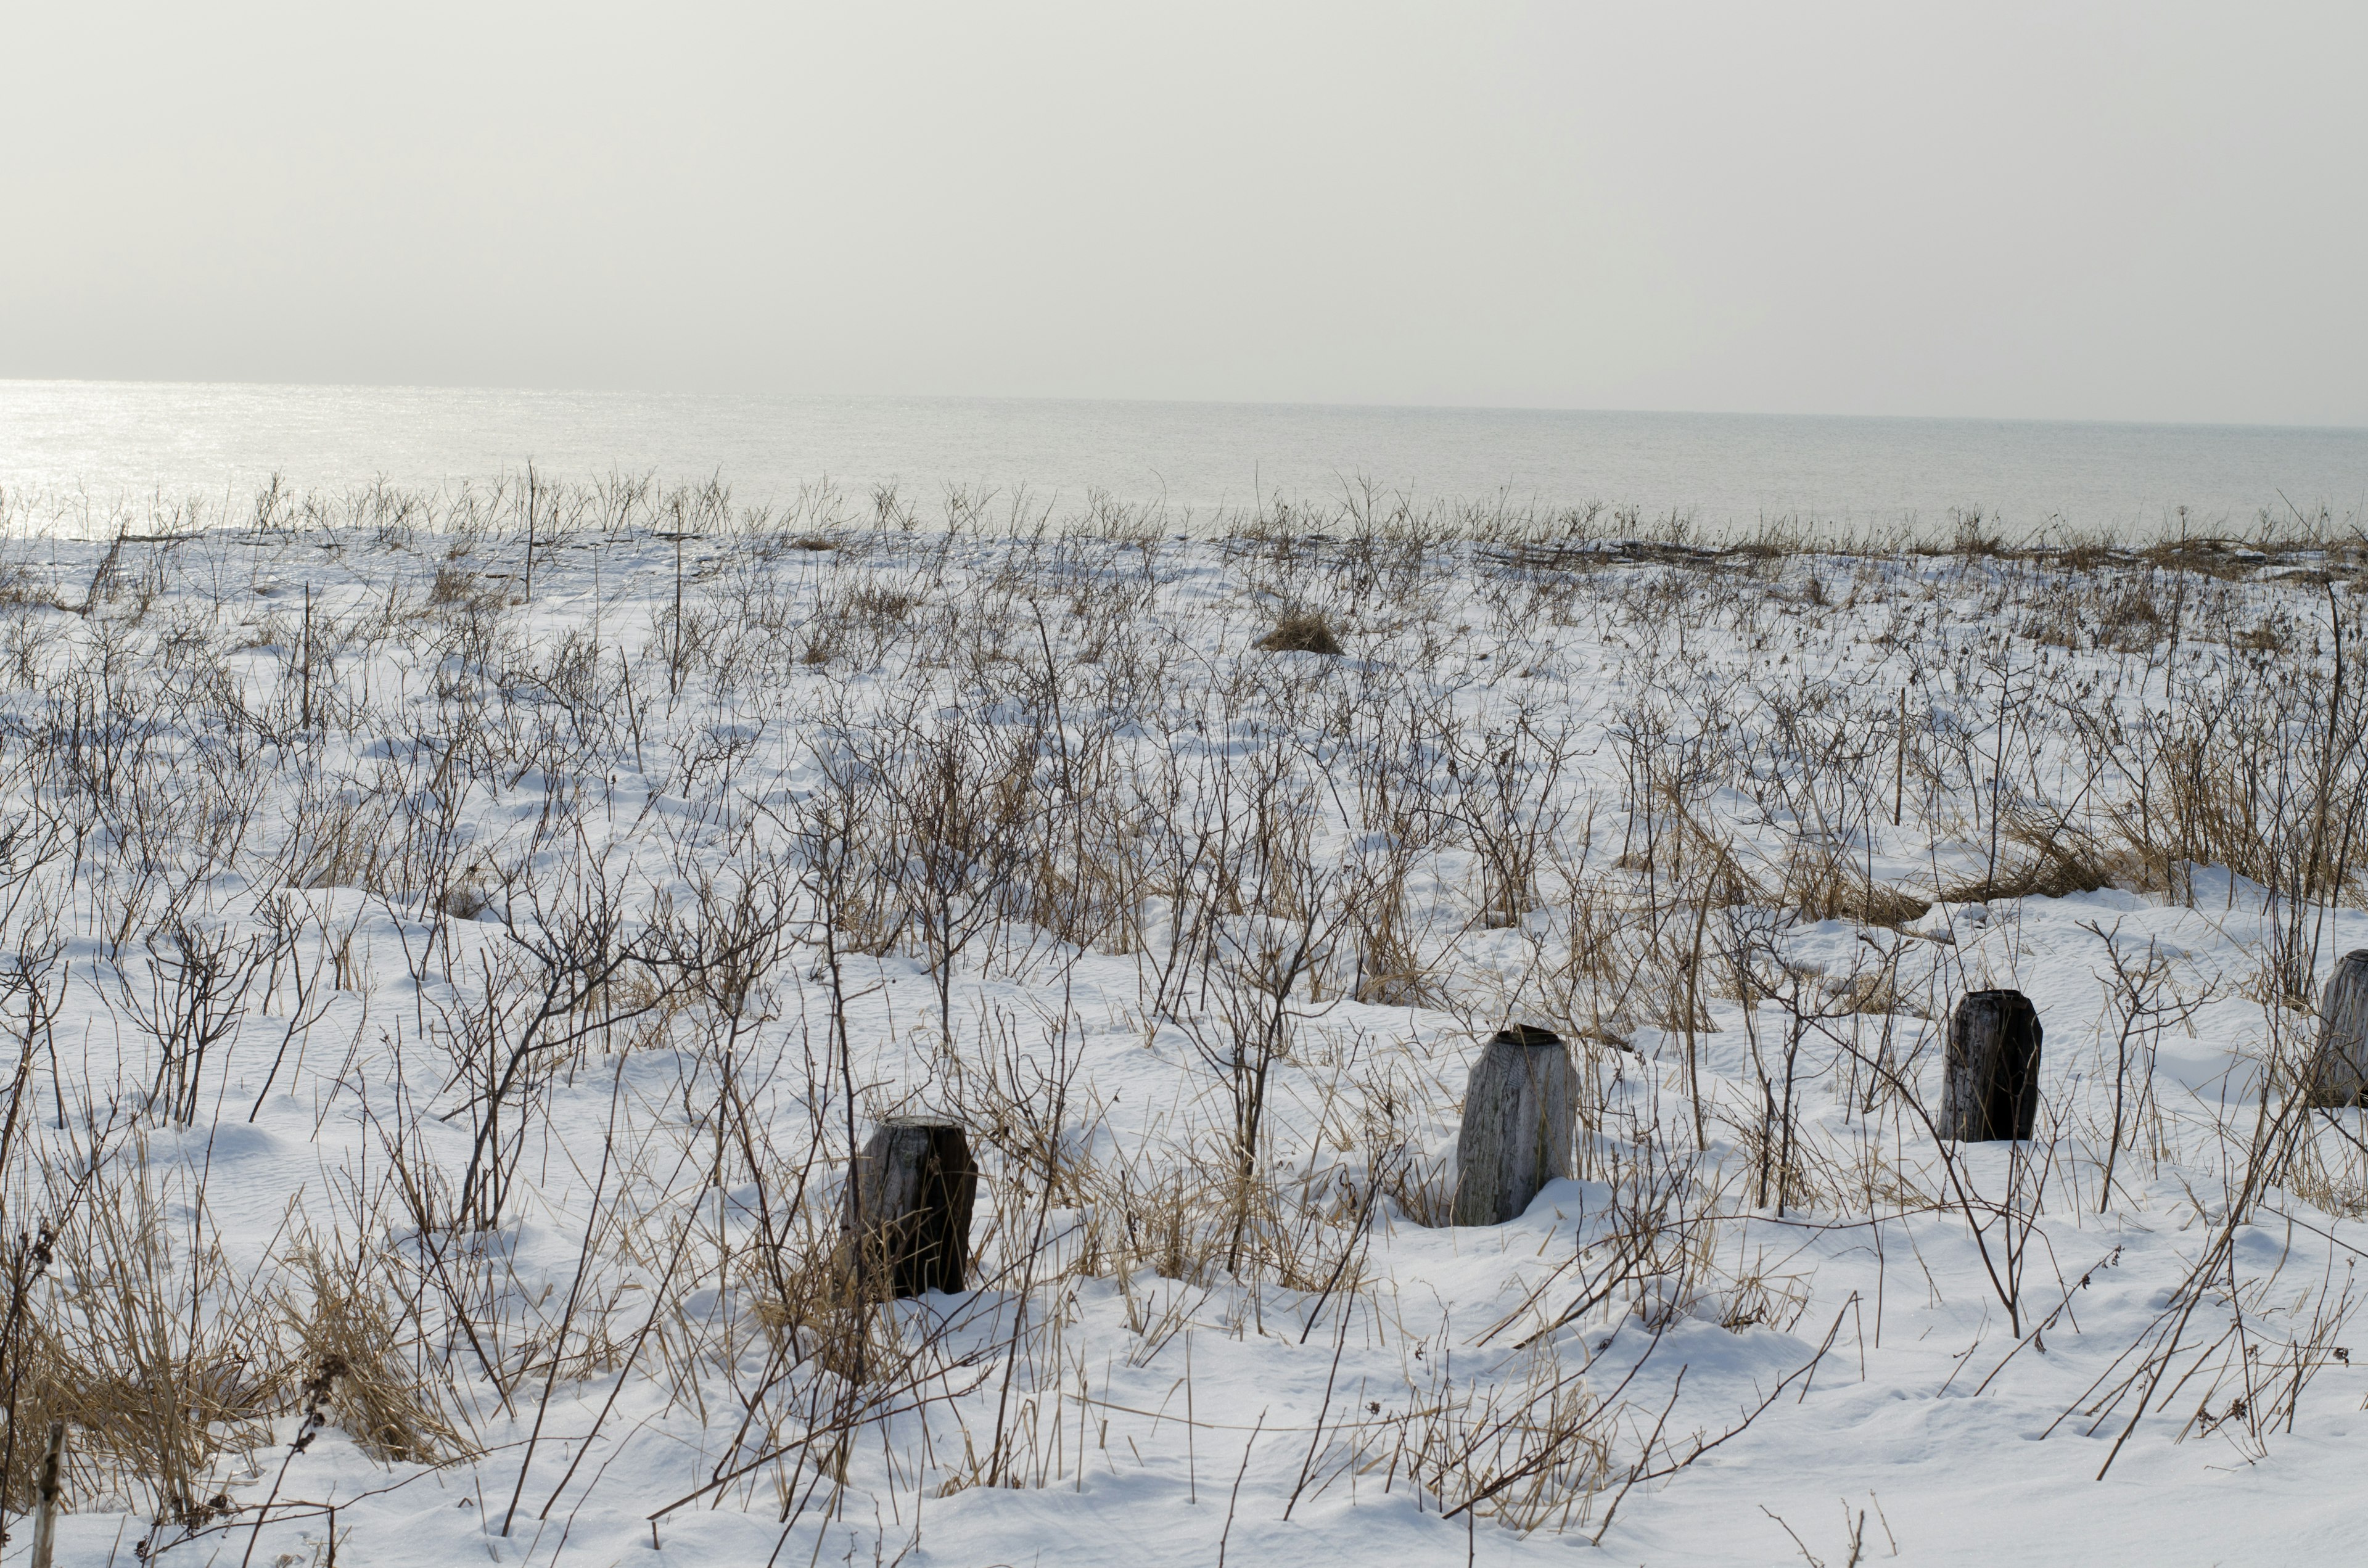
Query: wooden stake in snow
column 1990, row 1087
column 45, row 1514
column 1520, row 1111
column 908, row 1207
column 2339, row 1070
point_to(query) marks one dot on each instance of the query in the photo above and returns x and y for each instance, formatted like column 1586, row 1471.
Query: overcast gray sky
column 2089, row 210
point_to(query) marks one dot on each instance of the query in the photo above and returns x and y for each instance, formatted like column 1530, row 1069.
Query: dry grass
column 1302, row 631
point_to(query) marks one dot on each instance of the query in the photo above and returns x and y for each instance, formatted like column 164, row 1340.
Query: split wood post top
column 1520, row 1111
column 2339, row 1066
column 909, row 1197
column 1990, row 1087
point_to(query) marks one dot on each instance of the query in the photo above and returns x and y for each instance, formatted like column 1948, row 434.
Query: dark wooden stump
column 2339, row 1066
column 1520, row 1110
column 1992, row 1087
column 908, row 1206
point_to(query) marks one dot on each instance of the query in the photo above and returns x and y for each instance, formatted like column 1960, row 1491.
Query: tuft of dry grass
column 1301, row 631
column 1829, row 886
column 380, row 1388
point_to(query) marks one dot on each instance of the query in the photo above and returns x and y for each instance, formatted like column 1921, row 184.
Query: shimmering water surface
column 122, row 442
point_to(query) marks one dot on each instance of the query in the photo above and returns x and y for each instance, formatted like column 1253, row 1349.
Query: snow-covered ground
column 440, row 978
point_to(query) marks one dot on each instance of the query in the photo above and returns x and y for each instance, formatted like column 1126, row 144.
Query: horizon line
column 1206, row 403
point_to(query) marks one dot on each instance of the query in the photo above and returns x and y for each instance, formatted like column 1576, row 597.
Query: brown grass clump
column 2227, row 558
column 1301, row 631
column 160, row 1394
column 19, row 589
column 465, row 899
column 453, row 586
column 1877, row 994
column 1828, row 887
column 2055, row 862
column 379, row 1396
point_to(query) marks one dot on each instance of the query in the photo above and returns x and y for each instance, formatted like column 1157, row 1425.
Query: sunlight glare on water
column 108, row 444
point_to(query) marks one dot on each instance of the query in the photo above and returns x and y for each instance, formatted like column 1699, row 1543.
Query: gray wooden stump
column 908, row 1206
column 1520, row 1109
column 2339, row 1066
column 1990, row 1086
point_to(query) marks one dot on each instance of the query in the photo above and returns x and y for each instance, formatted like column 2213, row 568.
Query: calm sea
column 125, row 441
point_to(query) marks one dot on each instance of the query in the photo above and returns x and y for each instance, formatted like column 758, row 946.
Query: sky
column 2064, row 210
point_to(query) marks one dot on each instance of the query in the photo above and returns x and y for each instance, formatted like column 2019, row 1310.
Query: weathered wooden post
column 1990, row 1086
column 908, row 1205
column 1520, row 1109
column 45, row 1516
column 2339, row 1065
